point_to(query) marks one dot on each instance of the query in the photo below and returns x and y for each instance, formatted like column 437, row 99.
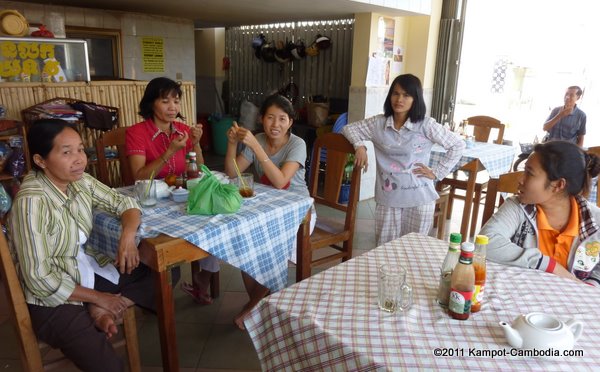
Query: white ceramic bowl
column 180, row 195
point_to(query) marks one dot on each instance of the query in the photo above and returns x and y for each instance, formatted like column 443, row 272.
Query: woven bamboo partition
column 123, row 95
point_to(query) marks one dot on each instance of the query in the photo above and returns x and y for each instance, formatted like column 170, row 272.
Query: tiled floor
column 206, row 337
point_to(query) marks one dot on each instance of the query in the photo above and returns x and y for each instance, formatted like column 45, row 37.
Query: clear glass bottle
column 192, row 167
column 481, row 242
column 462, row 284
column 447, row 268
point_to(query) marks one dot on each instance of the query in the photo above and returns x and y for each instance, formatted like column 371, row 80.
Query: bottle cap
column 481, row 239
column 192, row 154
column 467, row 247
column 455, row 238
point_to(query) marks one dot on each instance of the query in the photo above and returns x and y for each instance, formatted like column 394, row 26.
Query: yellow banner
column 25, row 59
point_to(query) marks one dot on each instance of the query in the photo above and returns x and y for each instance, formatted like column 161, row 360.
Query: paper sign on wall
column 153, row 54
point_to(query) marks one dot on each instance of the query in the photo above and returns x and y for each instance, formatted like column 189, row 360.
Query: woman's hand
column 114, row 303
column 178, row 143
column 422, row 170
column 560, row 270
column 361, row 160
column 232, row 134
column 246, row 137
column 128, row 255
column 196, row 133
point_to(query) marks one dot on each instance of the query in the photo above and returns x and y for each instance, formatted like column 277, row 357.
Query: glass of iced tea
column 246, row 185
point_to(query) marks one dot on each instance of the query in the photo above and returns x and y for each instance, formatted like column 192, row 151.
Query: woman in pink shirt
column 158, row 145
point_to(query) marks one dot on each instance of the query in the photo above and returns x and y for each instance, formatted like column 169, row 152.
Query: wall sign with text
column 44, row 60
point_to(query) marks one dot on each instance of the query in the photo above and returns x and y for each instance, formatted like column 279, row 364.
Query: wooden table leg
column 303, row 252
column 165, row 310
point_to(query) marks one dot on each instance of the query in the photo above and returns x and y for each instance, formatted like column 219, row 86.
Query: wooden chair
column 30, row 348
column 116, row 140
column 441, row 209
column 506, row 183
column 482, row 127
column 596, row 150
column 329, row 232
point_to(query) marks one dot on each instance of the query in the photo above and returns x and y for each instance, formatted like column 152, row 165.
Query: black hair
column 576, row 87
column 411, row 85
column 562, row 159
column 279, row 101
column 41, row 134
column 160, row 87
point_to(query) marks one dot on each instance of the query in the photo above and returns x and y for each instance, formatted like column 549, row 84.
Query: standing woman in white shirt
column 403, row 137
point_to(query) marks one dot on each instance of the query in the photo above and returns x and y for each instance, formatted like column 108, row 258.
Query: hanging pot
column 267, row 52
column 282, row 55
column 298, row 50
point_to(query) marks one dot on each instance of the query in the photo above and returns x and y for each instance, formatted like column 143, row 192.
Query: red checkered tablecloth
column 331, row 321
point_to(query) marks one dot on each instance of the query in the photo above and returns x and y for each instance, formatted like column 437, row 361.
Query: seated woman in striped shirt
column 75, row 296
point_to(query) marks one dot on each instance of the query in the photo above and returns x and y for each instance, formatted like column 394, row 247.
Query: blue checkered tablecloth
column 496, row 159
column 259, row 239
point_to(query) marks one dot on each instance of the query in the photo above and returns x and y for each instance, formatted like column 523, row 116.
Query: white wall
column 178, row 35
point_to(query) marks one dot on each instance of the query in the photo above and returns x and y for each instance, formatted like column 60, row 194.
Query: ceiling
column 223, row 13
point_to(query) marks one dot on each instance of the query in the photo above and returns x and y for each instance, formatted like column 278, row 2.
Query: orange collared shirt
column 554, row 243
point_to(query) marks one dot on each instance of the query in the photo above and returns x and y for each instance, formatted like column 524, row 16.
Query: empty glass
column 393, row 292
column 145, row 191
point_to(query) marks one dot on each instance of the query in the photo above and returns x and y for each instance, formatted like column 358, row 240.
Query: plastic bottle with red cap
column 462, row 284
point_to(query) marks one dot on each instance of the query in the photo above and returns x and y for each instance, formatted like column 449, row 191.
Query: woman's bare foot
column 256, row 292
column 106, row 324
column 103, row 320
column 239, row 319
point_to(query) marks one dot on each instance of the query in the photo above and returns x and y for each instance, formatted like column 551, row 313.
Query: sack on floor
column 210, row 196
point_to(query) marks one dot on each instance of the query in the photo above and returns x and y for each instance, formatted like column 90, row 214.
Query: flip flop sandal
column 199, row 296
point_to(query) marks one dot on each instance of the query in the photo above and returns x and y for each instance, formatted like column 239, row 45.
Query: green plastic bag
column 211, row 197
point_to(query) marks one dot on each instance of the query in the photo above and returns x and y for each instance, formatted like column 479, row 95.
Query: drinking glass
column 247, row 186
column 393, row 292
column 145, row 191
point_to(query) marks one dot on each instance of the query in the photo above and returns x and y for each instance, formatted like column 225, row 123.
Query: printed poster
column 153, row 54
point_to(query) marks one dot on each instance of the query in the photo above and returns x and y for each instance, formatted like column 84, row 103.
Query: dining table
column 331, row 321
column 260, row 238
column 493, row 158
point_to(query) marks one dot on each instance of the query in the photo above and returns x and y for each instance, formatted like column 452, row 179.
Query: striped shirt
column 44, row 226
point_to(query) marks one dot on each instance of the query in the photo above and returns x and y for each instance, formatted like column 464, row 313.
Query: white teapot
column 162, row 189
column 542, row 331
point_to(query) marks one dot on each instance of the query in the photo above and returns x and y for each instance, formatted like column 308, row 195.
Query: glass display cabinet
column 43, row 60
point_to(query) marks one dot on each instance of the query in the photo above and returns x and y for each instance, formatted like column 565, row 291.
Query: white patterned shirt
column 397, row 152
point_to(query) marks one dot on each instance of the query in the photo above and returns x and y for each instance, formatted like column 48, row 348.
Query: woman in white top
column 403, row 137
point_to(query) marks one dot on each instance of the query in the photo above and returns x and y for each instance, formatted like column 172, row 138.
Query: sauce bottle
column 462, row 284
column 192, row 167
column 447, row 268
column 481, row 242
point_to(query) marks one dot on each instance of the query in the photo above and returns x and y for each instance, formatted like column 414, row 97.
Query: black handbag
column 96, row 116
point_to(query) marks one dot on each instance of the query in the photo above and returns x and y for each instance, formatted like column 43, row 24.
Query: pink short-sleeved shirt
column 147, row 140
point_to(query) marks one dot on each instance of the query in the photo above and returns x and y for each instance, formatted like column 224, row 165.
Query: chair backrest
column 483, row 125
column 31, row 358
column 107, row 174
column 596, row 151
column 506, row 183
column 325, row 186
